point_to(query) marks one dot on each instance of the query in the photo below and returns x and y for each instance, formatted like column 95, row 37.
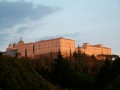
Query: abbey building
column 46, row 47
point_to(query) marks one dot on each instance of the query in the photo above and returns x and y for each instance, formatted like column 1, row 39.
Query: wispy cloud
column 12, row 13
column 18, row 17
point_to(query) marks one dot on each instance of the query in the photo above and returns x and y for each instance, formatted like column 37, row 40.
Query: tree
column 1, row 54
column 25, row 53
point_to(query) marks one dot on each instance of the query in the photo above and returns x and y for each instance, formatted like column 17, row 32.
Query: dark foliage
column 17, row 74
column 77, row 72
column 109, row 76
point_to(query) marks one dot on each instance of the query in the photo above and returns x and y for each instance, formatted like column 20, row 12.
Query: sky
column 92, row 21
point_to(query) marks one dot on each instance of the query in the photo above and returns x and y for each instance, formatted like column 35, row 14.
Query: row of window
column 46, row 46
column 94, row 49
column 91, row 48
column 56, row 45
column 50, row 50
column 50, row 43
column 98, row 50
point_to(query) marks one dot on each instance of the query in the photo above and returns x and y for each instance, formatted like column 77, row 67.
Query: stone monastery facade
column 45, row 47
column 94, row 49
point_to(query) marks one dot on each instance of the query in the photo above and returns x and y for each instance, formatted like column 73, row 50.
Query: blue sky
column 93, row 21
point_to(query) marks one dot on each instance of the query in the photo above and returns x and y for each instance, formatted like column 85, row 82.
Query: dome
column 21, row 41
column 10, row 45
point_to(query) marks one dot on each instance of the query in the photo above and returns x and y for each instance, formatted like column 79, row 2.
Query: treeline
column 18, row 74
column 77, row 72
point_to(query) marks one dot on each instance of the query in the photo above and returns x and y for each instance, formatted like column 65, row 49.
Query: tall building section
column 44, row 47
column 25, row 49
column 67, row 46
column 95, row 49
column 54, row 46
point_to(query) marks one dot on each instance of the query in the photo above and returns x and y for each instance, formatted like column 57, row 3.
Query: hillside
column 17, row 74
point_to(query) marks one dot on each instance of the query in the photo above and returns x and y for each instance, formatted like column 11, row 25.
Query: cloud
column 18, row 17
column 12, row 13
